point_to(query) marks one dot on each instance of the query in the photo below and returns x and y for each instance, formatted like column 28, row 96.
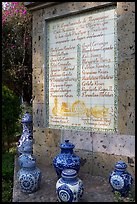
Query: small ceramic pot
column 120, row 180
column 24, row 157
column 69, row 187
column 29, row 177
column 66, row 159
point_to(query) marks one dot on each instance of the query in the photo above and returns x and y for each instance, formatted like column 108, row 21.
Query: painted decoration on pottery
column 29, row 176
column 26, row 138
column 66, row 158
column 69, row 187
column 120, row 180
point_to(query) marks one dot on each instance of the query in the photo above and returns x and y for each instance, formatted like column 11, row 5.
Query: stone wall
column 99, row 152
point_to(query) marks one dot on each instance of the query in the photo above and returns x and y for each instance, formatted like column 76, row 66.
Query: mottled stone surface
column 82, row 140
column 107, row 143
column 98, row 149
column 46, row 145
column 103, row 164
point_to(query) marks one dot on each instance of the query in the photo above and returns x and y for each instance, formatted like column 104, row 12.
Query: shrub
column 7, row 191
column 11, row 111
column 7, row 175
column 7, row 166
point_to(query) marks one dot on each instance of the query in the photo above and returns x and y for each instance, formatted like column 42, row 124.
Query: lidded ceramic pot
column 26, row 137
column 69, row 187
column 29, row 176
column 26, row 155
column 120, row 180
column 66, row 159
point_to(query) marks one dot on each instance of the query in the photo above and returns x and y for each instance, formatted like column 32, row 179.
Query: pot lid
column 27, row 118
column 120, row 165
column 67, row 145
column 69, row 173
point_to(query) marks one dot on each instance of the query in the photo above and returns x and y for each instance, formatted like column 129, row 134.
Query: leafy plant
column 11, row 111
column 7, row 190
column 8, row 174
column 7, row 165
column 119, row 198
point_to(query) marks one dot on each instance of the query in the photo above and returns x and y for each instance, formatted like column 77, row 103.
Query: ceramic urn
column 69, row 187
column 66, row 158
column 29, row 176
column 121, row 180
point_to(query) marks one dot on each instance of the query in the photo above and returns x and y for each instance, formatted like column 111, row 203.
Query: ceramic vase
column 69, row 188
column 29, row 176
column 66, row 158
column 26, row 138
column 26, row 156
column 120, row 180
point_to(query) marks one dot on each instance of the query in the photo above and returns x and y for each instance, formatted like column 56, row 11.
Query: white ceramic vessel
column 69, row 187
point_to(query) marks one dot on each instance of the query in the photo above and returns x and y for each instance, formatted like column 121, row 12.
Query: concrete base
column 96, row 188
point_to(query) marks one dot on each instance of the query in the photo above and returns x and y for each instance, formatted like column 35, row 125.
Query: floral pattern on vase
column 26, row 138
column 29, row 176
column 69, row 187
column 120, row 180
column 25, row 157
column 66, row 159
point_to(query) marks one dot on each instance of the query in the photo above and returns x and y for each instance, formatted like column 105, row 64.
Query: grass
column 119, row 198
column 7, row 175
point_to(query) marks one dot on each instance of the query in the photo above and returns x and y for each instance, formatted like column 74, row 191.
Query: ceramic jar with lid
column 69, row 187
column 26, row 137
column 29, row 176
column 66, row 159
column 26, row 155
column 121, row 180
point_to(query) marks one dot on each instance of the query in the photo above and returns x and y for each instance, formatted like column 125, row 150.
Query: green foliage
column 6, row 190
column 119, row 198
column 7, row 176
column 7, row 165
column 11, row 111
column 13, row 150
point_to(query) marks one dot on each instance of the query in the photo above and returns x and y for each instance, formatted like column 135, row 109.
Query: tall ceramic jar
column 26, row 137
column 66, row 159
column 29, row 176
column 69, row 187
column 120, row 180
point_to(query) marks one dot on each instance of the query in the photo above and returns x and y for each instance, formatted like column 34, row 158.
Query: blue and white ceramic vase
column 29, row 176
column 26, row 156
column 120, row 180
column 69, row 187
column 66, row 159
column 26, row 137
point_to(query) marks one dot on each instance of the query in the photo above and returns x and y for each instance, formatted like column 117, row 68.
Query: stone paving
column 96, row 188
